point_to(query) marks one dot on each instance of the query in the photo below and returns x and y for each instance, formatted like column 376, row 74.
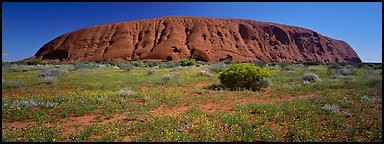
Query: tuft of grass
column 49, row 79
column 217, row 67
column 151, row 72
column 14, row 83
column 310, row 77
column 125, row 92
column 204, row 73
column 52, row 72
column 332, row 108
column 166, row 77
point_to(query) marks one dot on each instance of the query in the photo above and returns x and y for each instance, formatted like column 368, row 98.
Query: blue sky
column 28, row 26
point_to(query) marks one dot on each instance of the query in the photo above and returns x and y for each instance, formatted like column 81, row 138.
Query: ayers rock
column 201, row 38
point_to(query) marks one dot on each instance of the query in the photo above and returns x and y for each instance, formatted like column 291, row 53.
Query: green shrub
column 14, row 83
column 51, row 72
column 151, row 63
column 204, row 73
column 284, row 65
column 245, row 76
column 378, row 66
column 36, row 62
column 49, row 79
column 170, row 64
column 125, row 92
column 187, row 62
column 85, row 65
column 137, row 63
column 112, row 63
column 126, row 66
column 166, row 77
column 229, row 61
column 6, row 66
column 259, row 63
column 151, row 72
column 310, row 77
column 342, row 63
column 311, row 63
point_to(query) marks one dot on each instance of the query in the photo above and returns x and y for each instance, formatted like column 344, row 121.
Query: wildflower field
column 150, row 101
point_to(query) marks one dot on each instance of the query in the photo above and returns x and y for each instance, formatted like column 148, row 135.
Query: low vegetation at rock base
column 218, row 102
column 187, row 62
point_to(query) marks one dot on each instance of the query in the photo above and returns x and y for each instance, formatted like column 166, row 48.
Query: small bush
column 217, row 67
column 49, row 105
column 266, row 82
column 36, row 62
column 283, row 65
column 151, row 63
column 345, row 71
column 360, row 65
column 79, row 65
column 334, row 66
column 126, row 67
column 14, row 83
column 151, row 72
column 259, row 63
column 368, row 99
column 84, row 65
column 170, row 64
column 30, row 103
column 348, row 78
column 372, row 81
column 137, row 63
column 245, row 76
column 24, row 104
column 345, row 102
column 166, row 77
column 6, row 66
column 19, row 68
column 300, row 65
column 112, row 63
column 125, row 92
column 205, row 73
column 52, row 72
column 379, row 71
column 311, row 63
column 378, row 66
column 331, row 108
column 342, row 63
column 288, row 68
column 187, row 62
column 310, row 77
column 271, row 67
column 102, row 99
column 294, row 80
column 229, row 61
column 49, row 79
column 313, row 69
column 347, row 114
column 173, row 69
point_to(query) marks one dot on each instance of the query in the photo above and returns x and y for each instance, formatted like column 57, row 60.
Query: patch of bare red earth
column 228, row 105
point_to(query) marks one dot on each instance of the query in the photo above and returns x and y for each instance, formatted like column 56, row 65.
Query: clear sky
column 28, row 26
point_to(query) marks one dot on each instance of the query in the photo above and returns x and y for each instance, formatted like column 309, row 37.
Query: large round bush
column 245, row 76
column 187, row 62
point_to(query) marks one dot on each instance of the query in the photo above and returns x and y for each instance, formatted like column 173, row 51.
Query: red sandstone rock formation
column 200, row 38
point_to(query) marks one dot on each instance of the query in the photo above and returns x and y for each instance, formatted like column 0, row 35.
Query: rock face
column 200, row 38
